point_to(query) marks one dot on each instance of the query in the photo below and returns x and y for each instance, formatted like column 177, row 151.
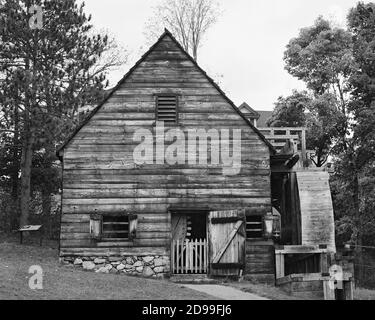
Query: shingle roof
column 263, row 118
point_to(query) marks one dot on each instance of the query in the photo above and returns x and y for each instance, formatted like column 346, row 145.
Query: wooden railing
column 189, row 256
column 303, row 251
column 279, row 136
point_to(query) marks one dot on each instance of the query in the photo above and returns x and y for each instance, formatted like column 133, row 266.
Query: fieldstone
column 99, row 261
column 120, row 267
column 139, row 269
column 128, row 266
column 148, row 259
column 108, row 266
column 148, row 272
column 88, row 265
column 102, row 270
column 113, row 270
column 129, row 260
column 114, row 259
column 159, row 269
column 159, row 262
column 78, row 262
column 138, row 264
column 115, row 264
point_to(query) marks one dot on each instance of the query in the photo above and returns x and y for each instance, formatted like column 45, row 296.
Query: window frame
column 260, row 223
column 99, row 218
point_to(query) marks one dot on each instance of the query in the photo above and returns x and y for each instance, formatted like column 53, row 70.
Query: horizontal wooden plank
column 152, row 193
column 145, row 186
column 145, row 217
column 109, row 252
column 82, row 243
column 192, row 204
column 167, row 200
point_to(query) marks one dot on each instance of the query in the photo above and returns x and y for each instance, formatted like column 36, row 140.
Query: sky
column 243, row 51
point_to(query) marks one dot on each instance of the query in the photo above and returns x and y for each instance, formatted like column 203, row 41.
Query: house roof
column 127, row 75
column 264, row 116
column 246, row 109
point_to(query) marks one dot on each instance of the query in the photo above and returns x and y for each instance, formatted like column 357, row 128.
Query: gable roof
column 127, row 75
column 249, row 110
column 264, row 116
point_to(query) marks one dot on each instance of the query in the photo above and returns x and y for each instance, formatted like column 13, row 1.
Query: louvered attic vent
column 166, row 109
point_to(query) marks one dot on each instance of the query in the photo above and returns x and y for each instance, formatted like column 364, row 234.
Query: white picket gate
column 189, row 256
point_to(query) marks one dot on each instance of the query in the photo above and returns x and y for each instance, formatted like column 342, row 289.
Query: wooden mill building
column 155, row 217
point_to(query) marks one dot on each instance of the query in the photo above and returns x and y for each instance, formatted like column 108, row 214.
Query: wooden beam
column 225, row 220
column 300, row 249
column 226, row 265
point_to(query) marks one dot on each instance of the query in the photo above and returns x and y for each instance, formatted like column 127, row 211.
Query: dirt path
column 223, row 292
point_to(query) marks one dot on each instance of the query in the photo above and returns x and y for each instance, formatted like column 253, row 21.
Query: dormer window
column 166, row 108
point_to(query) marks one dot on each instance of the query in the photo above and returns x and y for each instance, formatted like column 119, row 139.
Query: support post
column 280, row 268
column 329, row 292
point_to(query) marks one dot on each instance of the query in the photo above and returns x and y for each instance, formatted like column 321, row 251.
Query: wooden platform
column 317, row 286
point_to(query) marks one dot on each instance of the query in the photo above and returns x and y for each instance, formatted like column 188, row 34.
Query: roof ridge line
column 124, row 78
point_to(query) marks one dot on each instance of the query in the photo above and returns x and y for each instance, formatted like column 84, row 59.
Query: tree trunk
column 358, row 250
column 26, row 162
column 46, row 206
column 15, row 169
column 46, row 193
column 15, row 172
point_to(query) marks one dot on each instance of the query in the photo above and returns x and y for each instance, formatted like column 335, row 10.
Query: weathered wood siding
column 318, row 226
column 100, row 174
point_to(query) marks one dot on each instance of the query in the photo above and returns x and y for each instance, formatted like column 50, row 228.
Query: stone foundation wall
column 148, row 266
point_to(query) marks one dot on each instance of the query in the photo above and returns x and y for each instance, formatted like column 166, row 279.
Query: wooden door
column 179, row 227
column 227, row 241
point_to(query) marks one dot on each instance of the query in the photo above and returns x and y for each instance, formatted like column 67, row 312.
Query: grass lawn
column 264, row 290
column 69, row 283
column 65, row 283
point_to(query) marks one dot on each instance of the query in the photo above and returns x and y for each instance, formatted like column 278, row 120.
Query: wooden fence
column 189, row 256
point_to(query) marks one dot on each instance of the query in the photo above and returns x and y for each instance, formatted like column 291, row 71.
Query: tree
column 319, row 115
column 358, row 161
column 325, row 124
column 290, row 111
column 46, row 73
column 188, row 20
column 362, row 24
column 322, row 57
